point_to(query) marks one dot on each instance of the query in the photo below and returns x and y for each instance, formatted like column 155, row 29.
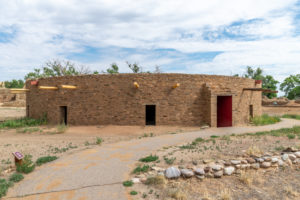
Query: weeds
column 140, row 169
column 29, row 130
column 45, row 159
column 133, row 192
column 99, row 140
column 127, row 183
column 169, row 161
column 150, row 158
column 27, row 165
column 23, row 122
column 156, row 180
column 61, row 128
column 291, row 116
column 4, row 185
column 16, row 177
column 264, row 120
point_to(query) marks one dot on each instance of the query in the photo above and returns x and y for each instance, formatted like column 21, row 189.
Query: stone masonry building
column 145, row 99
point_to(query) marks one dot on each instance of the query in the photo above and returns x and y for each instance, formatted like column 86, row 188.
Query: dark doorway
column 224, row 111
column 150, row 114
column 251, row 111
column 27, row 111
column 64, row 115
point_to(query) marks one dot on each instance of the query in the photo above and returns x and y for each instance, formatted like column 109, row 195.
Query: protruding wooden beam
column 69, row 87
column 136, row 84
column 48, row 88
column 176, row 85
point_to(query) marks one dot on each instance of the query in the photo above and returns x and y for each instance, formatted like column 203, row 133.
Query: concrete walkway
column 97, row 174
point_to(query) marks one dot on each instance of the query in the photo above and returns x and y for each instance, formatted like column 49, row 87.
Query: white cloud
column 51, row 29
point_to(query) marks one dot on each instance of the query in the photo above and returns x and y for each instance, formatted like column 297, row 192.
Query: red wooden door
column 224, row 111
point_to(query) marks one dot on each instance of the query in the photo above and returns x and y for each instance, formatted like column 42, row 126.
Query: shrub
column 16, row 177
column 99, row 140
column 61, row 128
column 45, row 159
column 291, row 116
column 127, row 183
column 169, row 161
column 150, row 158
column 264, row 120
column 156, row 180
column 133, row 192
column 140, row 169
column 27, row 165
column 4, row 185
column 291, row 136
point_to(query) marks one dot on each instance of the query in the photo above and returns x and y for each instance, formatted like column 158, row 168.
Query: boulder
column 186, row 173
column 228, row 170
column 235, row 162
column 265, row 165
column 172, row 172
column 199, row 171
column 285, row 157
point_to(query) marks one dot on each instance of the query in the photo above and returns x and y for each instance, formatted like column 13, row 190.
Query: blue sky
column 196, row 36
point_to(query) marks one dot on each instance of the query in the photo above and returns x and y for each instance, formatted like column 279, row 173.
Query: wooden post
column 18, row 158
column 69, row 87
column 48, row 88
column 136, row 84
column 176, row 85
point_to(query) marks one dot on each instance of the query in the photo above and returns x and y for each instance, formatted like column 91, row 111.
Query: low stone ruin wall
column 221, row 168
column 8, row 99
column 281, row 110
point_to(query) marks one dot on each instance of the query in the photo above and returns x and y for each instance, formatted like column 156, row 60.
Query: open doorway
column 224, row 111
column 64, row 115
column 150, row 114
column 251, row 111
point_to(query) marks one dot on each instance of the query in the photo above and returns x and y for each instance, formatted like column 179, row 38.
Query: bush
column 27, row 165
column 133, row 192
column 99, row 140
column 291, row 116
column 4, row 185
column 45, row 159
column 23, row 122
column 265, row 120
column 61, row 128
column 156, row 180
column 16, row 177
column 127, row 183
column 150, row 158
column 140, row 169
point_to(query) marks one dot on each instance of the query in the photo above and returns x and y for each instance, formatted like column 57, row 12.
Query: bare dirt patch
column 272, row 183
column 11, row 113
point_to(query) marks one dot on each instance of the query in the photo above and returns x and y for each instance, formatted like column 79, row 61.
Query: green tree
column 135, row 68
column 256, row 74
column 114, row 69
column 58, row 68
column 14, row 84
column 268, row 82
column 291, row 86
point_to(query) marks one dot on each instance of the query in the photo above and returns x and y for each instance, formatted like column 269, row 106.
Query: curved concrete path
column 97, row 174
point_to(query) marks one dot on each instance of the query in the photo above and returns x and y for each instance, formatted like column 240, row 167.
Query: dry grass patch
column 158, row 181
column 246, row 177
column 225, row 194
column 289, row 190
column 254, row 151
column 175, row 194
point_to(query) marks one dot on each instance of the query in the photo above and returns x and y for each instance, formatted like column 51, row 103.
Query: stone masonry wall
column 112, row 99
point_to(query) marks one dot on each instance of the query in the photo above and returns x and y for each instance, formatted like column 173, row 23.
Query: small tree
column 291, row 86
column 157, row 69
column 135, row 67
column 58, row 68
column 114, row 69
column 14, row 84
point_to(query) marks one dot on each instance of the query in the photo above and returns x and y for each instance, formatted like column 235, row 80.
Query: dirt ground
column 272, row 183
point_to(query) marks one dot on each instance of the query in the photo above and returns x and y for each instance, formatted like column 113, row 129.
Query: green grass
column 214, row 136
column 27, row 165
column 29, row 130
column 169, row 161
column 279, row 132
column 16, row 177
column 133, row 192
column 150, row 158
column 265, row 120
column 45, row 159
column 99, row 140
column 4, row 185
column 23, row 122
column 139, row 169
column 291, row 116
column 127, row 183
